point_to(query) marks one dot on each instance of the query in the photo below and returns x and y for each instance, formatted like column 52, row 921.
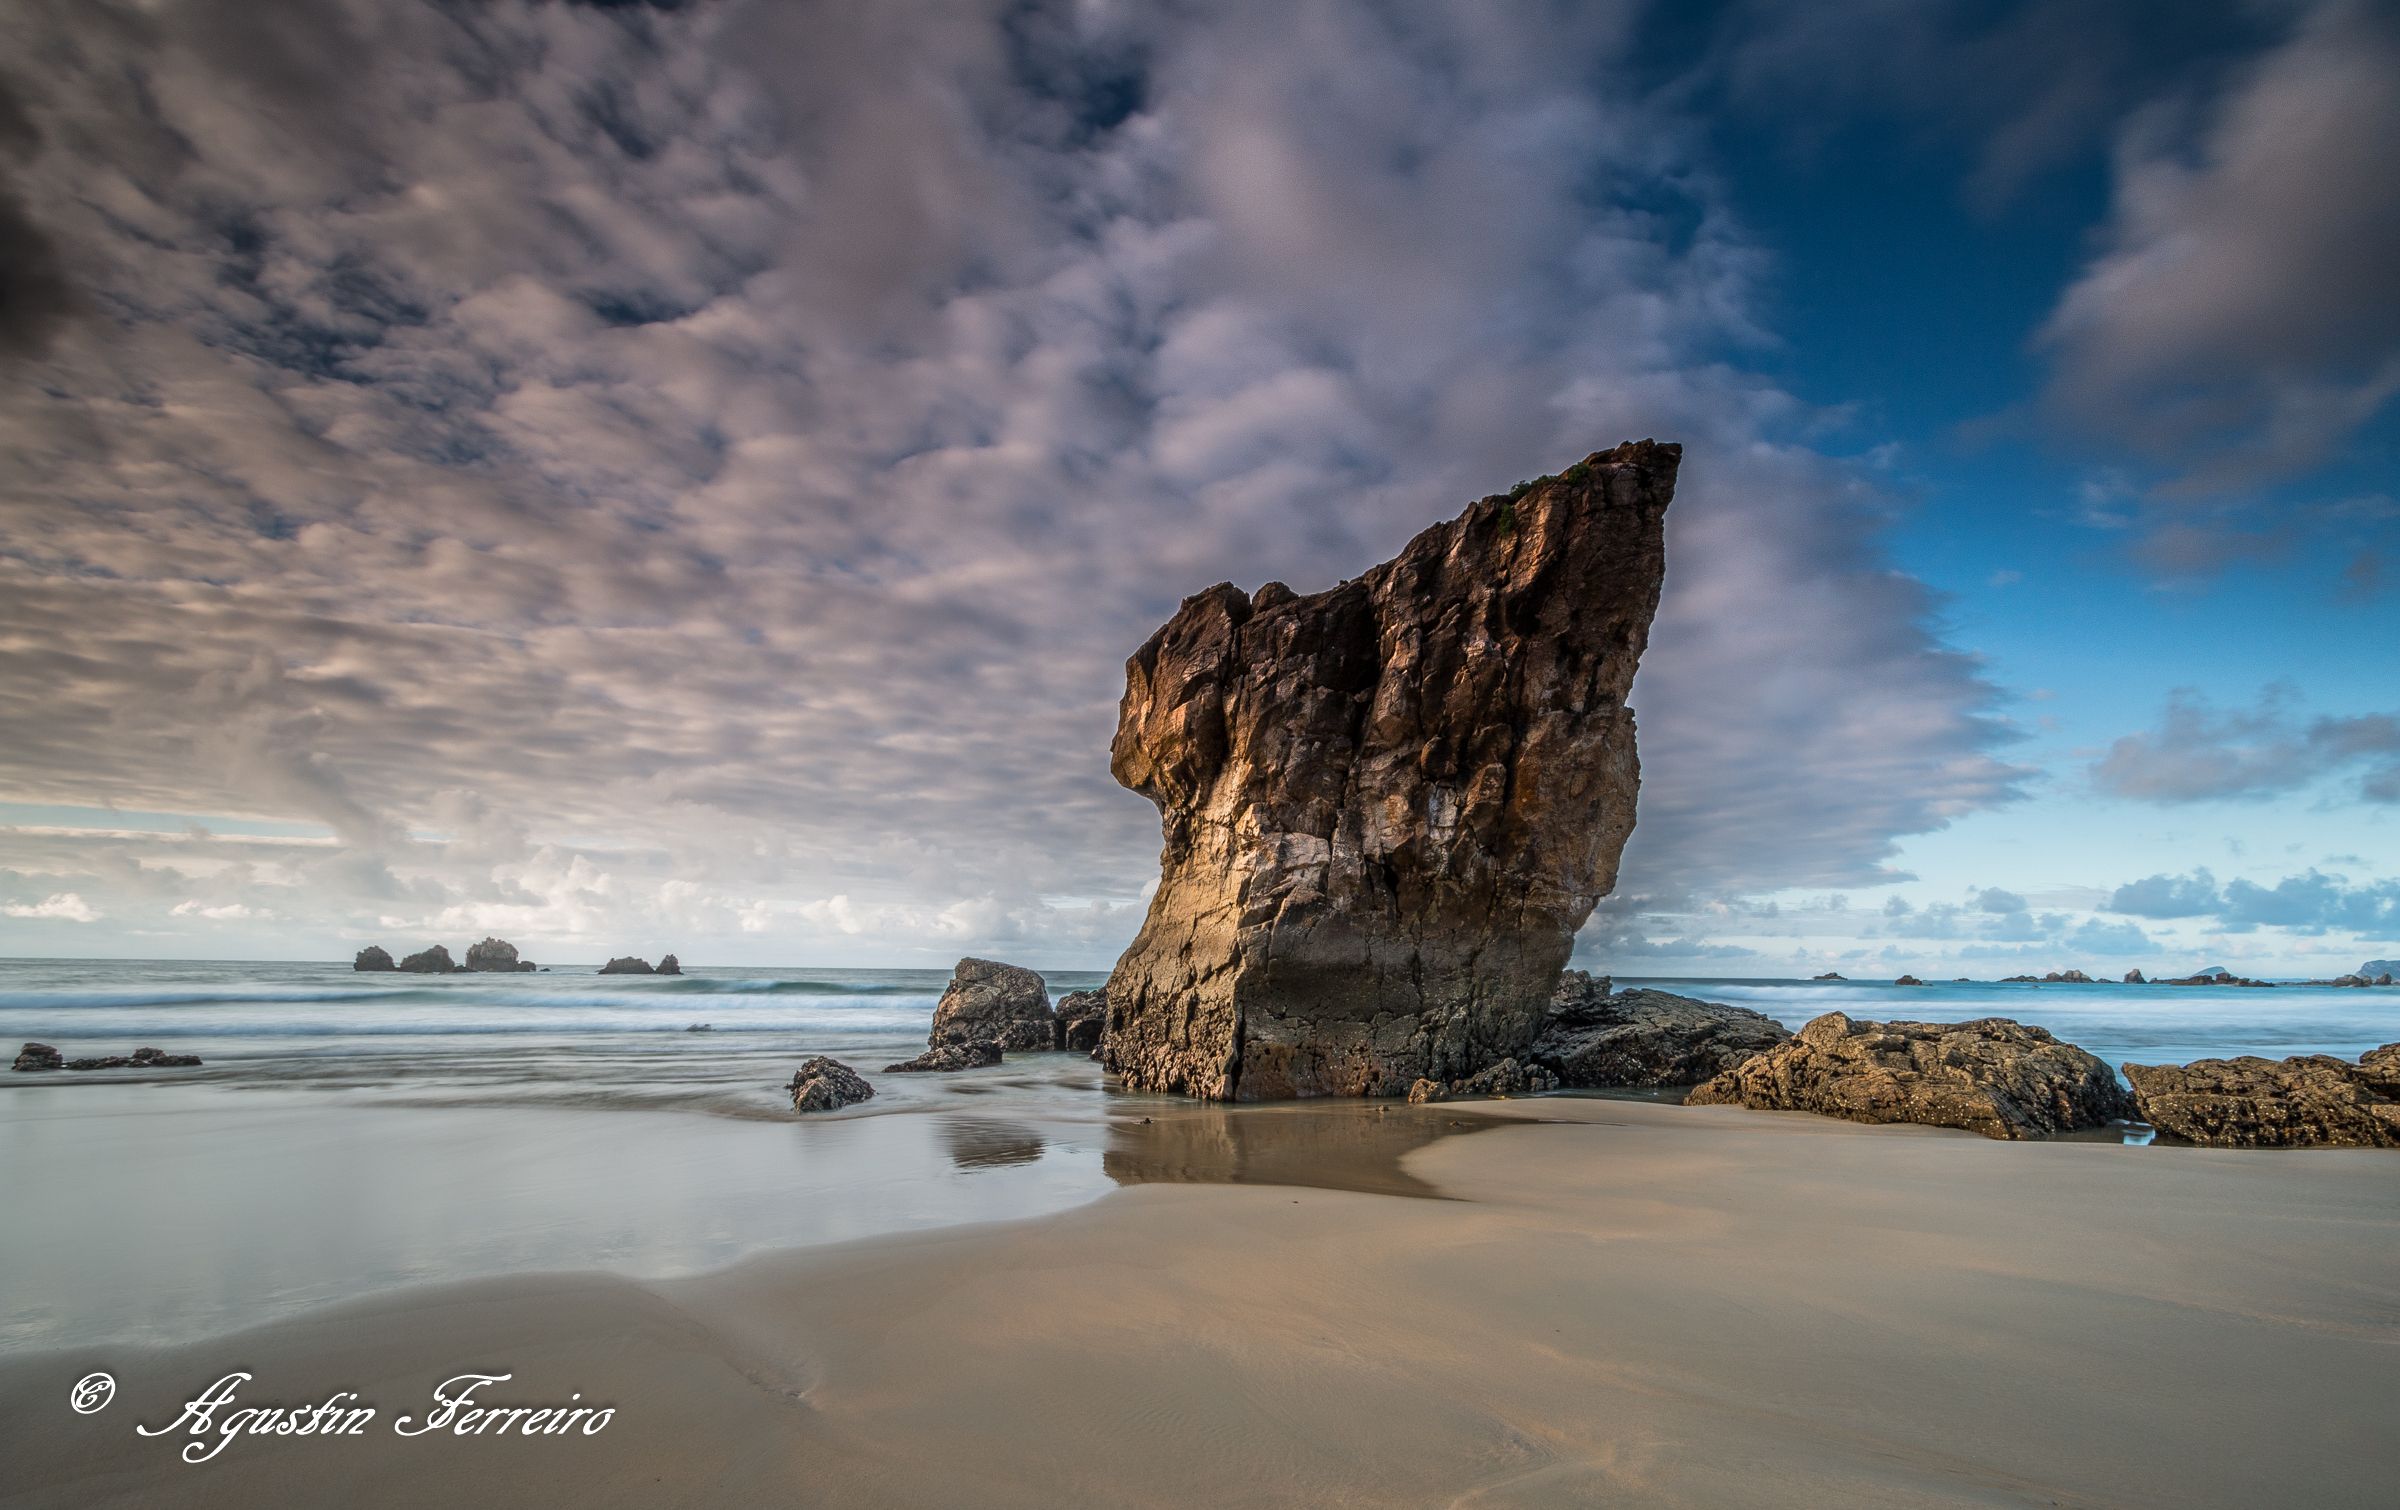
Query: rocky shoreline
column 1993, row 1076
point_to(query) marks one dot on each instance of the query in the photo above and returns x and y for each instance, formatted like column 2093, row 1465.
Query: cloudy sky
column 632, row 477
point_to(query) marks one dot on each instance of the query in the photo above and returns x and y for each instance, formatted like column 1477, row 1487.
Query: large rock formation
column 2375, row 967
column 496, row 957
column 1992, row 1076
column 2311, row 1101
column 1082, row 1021
column 433, row 961
column 668, row 964
column 988, row 1002
column 1388, row 806
column 1643, row 1038
column 373, row 957
column 627, row 964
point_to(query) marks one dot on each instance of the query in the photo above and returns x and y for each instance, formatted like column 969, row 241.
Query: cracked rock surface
column 1388, row 806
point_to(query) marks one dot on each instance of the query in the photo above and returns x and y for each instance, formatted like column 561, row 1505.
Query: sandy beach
column 1556, row 1301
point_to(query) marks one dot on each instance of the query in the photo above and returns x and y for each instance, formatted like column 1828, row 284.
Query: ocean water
column 351, row 1133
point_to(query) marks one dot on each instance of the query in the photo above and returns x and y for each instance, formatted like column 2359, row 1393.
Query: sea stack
column 1388, row 806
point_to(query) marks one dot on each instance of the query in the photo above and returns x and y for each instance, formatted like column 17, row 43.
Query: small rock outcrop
column 1082, row 1021
column 1999, row 1078
column 433, row 961
column 1595, row 1039
column 1829, row 975
column 945, row 1058
column 668, row 964
column 824, row 1085
column 373, row 957
column 1386, row 807
column 41, row 1056
column 989, row 1002
column 2312, row 1101
column 626, row 964
column 1507, row 1078
column 496, row 957
column 1908, row 980
column 2134, row 978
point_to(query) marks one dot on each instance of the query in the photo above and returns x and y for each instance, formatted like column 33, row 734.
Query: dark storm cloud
column 2199, row 752
column 35, row 294
column 706, row 465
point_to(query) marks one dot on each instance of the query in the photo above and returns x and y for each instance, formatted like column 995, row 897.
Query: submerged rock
column 1507, row 1078
column 668, row 964
column 1387, row 807
column 39, row 1056
column 2311, row 1101
column 1643, row 1038
column 433, row 961
column 824, row 1085
column 373, row 957
column 626, row 964
column 945, row 1058
column 987, row 1001
column 1082, row 1021
column 496, row 957
column 1999, row 1078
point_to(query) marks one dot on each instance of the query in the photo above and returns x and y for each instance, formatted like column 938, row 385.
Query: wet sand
column 1571, row 1302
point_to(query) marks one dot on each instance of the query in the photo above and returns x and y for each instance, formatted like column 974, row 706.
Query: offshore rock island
column 1388, row 806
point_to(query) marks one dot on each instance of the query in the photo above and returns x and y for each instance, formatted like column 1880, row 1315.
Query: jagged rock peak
column 1388, row 806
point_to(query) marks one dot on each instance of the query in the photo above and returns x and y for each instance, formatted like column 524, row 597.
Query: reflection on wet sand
column 979, row 1143
column 1349, row 1145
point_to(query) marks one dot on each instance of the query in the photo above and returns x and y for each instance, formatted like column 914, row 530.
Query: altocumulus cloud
column 695, row 471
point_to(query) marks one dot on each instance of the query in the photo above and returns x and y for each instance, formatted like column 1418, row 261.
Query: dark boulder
column 495, row 957
column 627, row 965
column 1641, row 1038
column 1082, row 1021
column 668, row 964
column 2134, row 978
column 824, row 1085
column 2311, row 1101
column 1908, row 980
column 946, row 1058
column 1992, row 1076
column 39, row 1056
column 373, row 957
column 433, row 961
column 988, row 1002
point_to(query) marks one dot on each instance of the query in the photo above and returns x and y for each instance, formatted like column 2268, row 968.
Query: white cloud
column 59, row 907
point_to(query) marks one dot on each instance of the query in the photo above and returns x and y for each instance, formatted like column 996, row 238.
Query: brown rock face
column 1082, row 1021
column 1389, row 805
column 1643, row 1038
column 2314, row 1101
column 1992, row 1076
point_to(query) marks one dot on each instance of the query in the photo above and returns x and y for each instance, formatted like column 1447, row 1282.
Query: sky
column 630, row 477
